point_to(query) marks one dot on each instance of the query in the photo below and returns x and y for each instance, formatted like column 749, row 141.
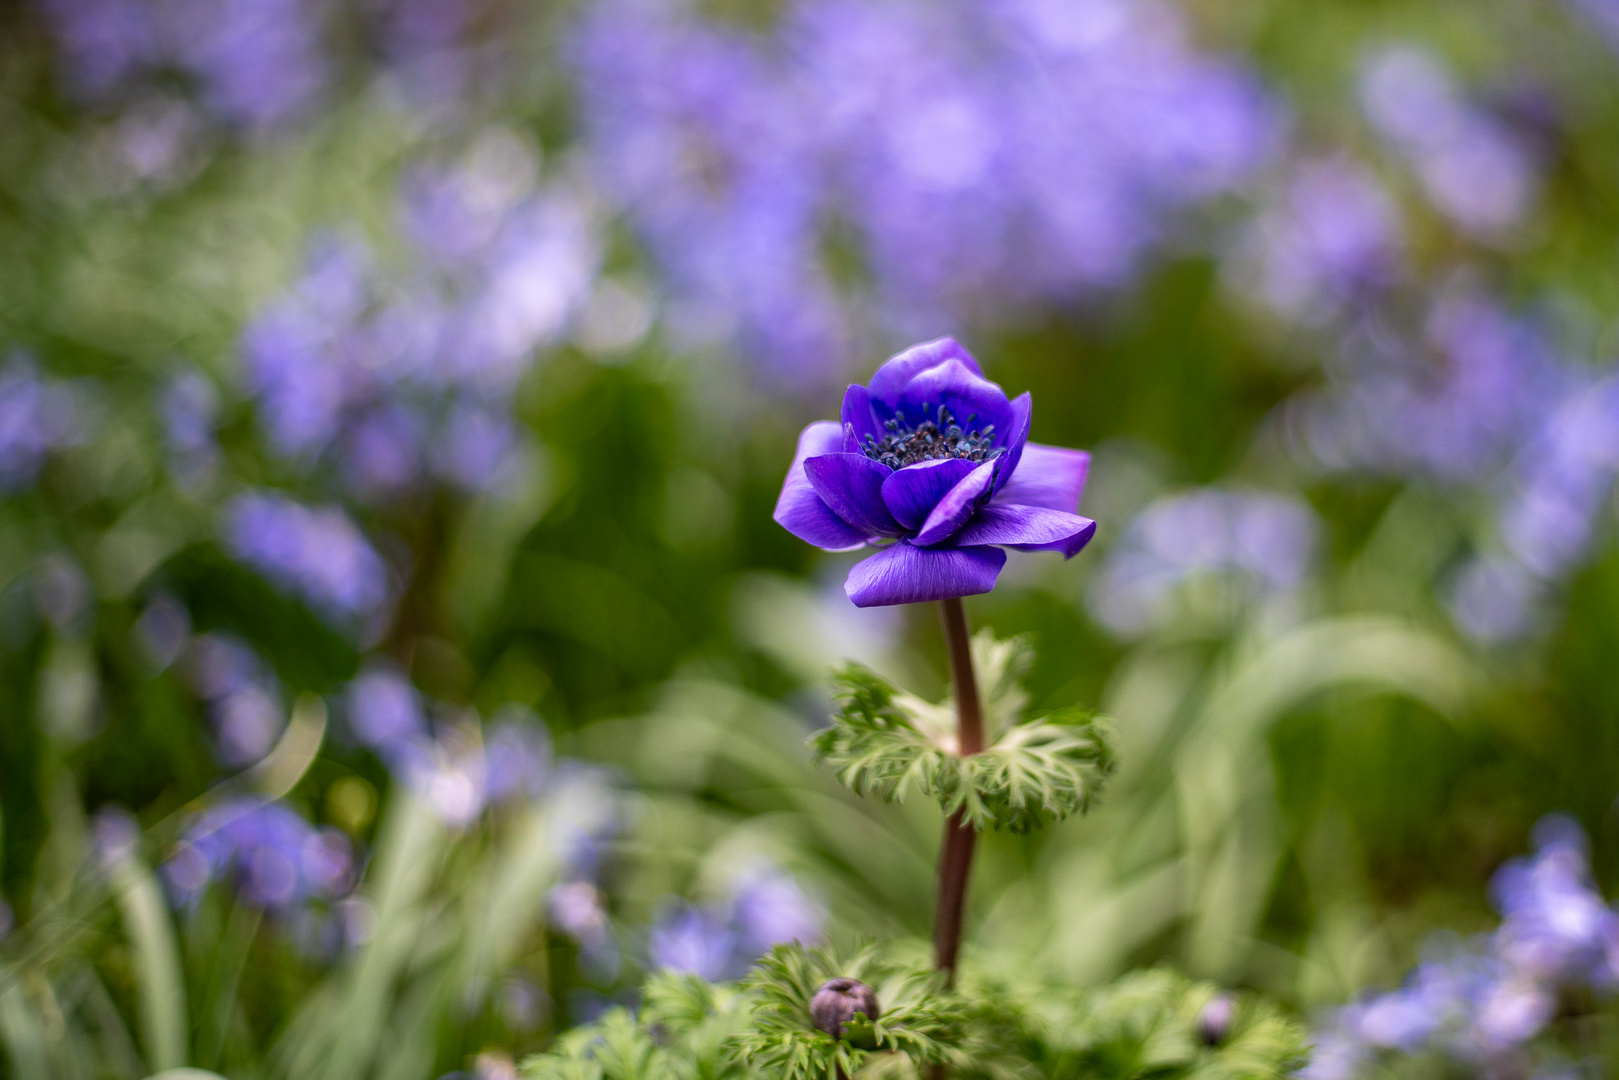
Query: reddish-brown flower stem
column 956, row 853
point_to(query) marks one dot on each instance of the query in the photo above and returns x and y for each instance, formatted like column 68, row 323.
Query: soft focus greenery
column 1304, row 792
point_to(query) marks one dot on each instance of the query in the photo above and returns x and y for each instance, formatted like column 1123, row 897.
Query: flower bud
column 837, row 1001
column 1214, row 1022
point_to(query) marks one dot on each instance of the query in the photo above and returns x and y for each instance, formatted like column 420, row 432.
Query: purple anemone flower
column 933, row 457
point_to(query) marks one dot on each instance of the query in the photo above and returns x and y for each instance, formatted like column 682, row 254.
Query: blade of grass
column 162, row 995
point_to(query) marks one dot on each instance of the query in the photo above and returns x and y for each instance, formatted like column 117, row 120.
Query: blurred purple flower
column 104, row 43
column 1456, row 405
column 399, row 375
column 1603, row 15
column 1328, row 243
column 519, row 755
column 940, row 136
column 317, row 554
column 37, row 416
column 385, row 712
column 769, row 908
column 1556, row 926
column 274, row 858
column 1473, row 167
column 1492, row 599
column 462, row 769
column 577, row 910
column 189, row 407
column 244, row 701
column 1479, row 1005
column 692, row 940
column 1262, row 542
column 162, row 630
column 257, row 63
column 765, row 907
column 934, row 457
column 115, row 836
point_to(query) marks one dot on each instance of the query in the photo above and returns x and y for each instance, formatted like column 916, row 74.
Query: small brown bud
column 837, row 1001
column 1214, row 1022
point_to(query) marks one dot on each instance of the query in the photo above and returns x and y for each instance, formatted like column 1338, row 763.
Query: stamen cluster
column 930, row 440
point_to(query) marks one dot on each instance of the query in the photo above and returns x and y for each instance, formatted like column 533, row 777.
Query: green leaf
column 885, row 741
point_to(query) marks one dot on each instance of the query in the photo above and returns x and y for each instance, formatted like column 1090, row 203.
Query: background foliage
column 395, row 394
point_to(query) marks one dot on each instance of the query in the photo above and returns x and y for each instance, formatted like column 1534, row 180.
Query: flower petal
column 1048, row 476
column 1028, row 528
column 852, row 485
column 904, row 574
column 912, row 492
column 799, row 510
column 899, row 370
column 974, row 402
column 958, row 504
column 1016, row 438
column 857, row 416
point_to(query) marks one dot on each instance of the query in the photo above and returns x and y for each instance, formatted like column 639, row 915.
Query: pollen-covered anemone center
column 904, row 444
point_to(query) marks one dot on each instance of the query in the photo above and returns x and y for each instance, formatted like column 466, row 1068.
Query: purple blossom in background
column 1329, row 242
column 769, row 908
column 189, row 407
column 1552, row 499
column 1480, row 1005
column 37, row 416
column 1481, row 398
column 163, row 630
column 693, row 940
column 765, row 908
column 401, row 375
column 946, row 137
column 458, row 769
column 1492, row 599
column 577, row 910
column 1473, row 167
column 273, row 858
column 244, row 700
column 1603, row 15
column 104, row 43
column 1263, row 543
column 257, row 63
column 1555, row 926
column 935, row 458
column 386, row 714
column 1455, row 404
column 115, row 836
column 1562, row 480
column 317, row 554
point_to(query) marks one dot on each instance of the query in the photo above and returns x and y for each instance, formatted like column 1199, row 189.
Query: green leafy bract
column 920, row 1018
column 886, row 741
column 686, row 1030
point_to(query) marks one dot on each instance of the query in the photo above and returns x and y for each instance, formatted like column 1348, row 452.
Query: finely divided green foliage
column 885, row 741
column 1144, row 1025
column 685, row 1031
column 920, row 1019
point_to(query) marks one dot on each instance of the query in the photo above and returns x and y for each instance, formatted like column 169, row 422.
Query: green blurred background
column 1363, row 320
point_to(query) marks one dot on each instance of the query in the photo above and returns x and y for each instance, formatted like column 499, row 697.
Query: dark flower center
column 931, row 440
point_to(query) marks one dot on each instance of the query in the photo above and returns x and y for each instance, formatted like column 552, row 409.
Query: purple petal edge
column 799, row 510
column 898, row 371
column 904, row 574
column 1028, row 528
column 1048, row 476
